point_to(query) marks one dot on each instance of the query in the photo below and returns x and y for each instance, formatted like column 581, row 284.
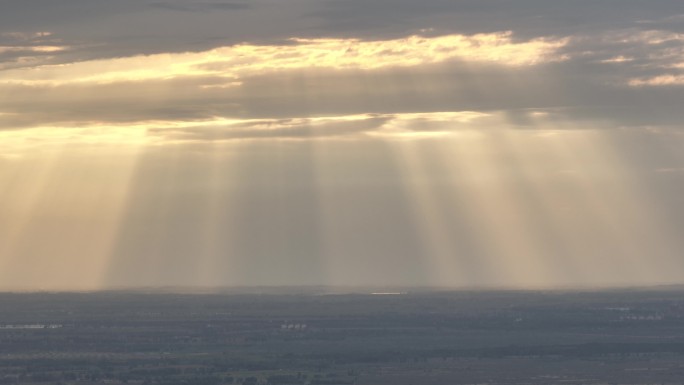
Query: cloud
column 305, row 128
column 635, row 57
column 18, row 49
column 617, row 70
column 246, row 80
column 293, row 94
column 381, row 125
column 200, row 6
column 385, row 126
column 133, row 27
column 528, row 18
column 660, row 80
column 247, row 59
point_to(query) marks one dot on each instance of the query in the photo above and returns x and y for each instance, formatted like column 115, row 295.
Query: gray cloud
column 200, row 6
column 527, row 18
column 581, row 90
column 276, row 129
column 126, row 27
column 617, row 45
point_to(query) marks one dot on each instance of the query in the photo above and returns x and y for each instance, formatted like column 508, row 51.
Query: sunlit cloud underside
column 241, row 60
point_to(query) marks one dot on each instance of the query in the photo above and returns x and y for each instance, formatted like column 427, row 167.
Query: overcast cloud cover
column 620, row 61
column 435, row 142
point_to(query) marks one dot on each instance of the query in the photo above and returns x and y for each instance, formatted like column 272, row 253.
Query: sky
column 442, row 143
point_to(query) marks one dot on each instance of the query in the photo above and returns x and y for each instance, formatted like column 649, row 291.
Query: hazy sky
column 526, row 143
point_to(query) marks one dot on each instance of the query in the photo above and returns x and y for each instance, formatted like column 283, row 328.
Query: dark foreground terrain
column 324, row 338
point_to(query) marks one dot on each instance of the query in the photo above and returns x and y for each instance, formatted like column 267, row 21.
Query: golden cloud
column 387, row 126
column 242, row 60
column 660, row 80
column 660, row 52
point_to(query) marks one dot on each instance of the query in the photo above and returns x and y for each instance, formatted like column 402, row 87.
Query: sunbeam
column 73, row 203
column 436, row 154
